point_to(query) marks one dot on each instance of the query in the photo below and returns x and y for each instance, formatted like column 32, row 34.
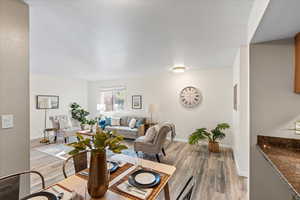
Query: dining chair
column 157, row 146
column 80, row 162
column 10, row 185
column 41, row 195
column 187, row 191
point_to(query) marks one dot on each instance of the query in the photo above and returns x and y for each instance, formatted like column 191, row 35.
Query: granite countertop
column 284, row 156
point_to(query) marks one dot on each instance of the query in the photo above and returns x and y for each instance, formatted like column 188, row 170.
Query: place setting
column 55, row 192
column 112, row 167
column 140, row 184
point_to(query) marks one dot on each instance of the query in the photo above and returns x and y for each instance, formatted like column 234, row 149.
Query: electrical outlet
column 7, row 121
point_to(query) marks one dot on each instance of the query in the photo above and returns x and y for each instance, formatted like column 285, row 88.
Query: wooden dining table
column 78, row 184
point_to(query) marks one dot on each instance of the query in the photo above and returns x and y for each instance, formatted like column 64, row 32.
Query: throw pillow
column 102, row 123
column 150, row 135
column 138, row 123
column 132, row 123
column 107, row 121
column 64, row 124
column 115, row 121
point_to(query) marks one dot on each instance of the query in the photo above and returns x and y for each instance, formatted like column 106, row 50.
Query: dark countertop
column 284, row 156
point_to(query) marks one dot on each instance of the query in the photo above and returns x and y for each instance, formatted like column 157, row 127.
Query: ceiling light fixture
column 179, row 69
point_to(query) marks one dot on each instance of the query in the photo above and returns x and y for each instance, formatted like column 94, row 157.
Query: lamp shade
column 152, row 108
column 45, row 103
column 101, row 107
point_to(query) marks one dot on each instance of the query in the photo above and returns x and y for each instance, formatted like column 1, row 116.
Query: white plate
column 109, row 166
column 145, row 178
column 39, row 198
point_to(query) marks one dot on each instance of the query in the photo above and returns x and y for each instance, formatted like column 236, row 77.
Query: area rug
column 61, row 151
column 57, row 150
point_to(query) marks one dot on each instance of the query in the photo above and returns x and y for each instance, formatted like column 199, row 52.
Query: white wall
column 241, row 116
column 236, row 129
column 257, row 12
column 164, row 89
column 68, row 90
column 14, row 86
column 274, row 109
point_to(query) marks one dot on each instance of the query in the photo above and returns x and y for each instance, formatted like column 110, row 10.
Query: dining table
column 78, row 183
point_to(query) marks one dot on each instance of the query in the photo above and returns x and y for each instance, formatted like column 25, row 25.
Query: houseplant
column 79, row 114
column 213, row 136
column 91, row 123
column 98, row 179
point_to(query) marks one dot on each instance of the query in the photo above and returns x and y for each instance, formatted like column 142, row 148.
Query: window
column 112, row 100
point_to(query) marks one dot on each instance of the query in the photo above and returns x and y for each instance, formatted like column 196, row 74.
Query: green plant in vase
column 79, row 114
column 213, row 136
column 103, row 140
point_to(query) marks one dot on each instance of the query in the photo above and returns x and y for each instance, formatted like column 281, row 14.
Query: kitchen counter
column 283, row 154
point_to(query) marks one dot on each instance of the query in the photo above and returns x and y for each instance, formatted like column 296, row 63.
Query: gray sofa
column 126, row 131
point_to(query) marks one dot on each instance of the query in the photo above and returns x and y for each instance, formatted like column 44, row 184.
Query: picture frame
column 137, row 102
column 47, row 102
column 235, row 93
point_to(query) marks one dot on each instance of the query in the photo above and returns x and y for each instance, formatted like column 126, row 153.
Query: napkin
column 129, row 189
column 67, row 195
column 121, row 163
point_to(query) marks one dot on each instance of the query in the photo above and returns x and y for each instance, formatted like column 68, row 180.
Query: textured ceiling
column 281, row 20
column 106, row 39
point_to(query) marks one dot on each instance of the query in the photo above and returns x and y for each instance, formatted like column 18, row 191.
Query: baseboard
column 186, row 141
column 178, row 139
column 34, row 142
column 240, row 172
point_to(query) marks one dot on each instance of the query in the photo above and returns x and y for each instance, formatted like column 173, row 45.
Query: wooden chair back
column 80, row 162
column 10, row 185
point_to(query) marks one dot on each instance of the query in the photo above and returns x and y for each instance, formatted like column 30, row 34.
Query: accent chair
column 157, row 145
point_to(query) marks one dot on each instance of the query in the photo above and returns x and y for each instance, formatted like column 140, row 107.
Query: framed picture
column 137, row 102
column 47, row 102
column 235, row 97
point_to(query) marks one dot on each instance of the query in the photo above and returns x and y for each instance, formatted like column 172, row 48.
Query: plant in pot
column 91, row 123
column 213, row 136
column 98, row 177
column 79, row 114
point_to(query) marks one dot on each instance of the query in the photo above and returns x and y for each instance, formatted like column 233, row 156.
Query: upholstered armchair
column 157, row 145
column 63, row 127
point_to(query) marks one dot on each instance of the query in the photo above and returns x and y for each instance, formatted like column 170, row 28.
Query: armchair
column 63, row 127
column 157, row 146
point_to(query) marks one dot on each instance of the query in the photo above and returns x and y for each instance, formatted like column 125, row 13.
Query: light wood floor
column 216, row 176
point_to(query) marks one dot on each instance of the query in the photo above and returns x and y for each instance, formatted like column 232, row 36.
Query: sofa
column 124, row 129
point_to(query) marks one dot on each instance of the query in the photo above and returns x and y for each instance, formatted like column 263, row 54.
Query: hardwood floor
column 215, row 174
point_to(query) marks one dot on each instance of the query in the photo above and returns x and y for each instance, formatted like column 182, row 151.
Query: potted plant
column 91, row 122
column 98, row 178
column 213, row 136
column 79, row 114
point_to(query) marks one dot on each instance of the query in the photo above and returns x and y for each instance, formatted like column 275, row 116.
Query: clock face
column 190, row 97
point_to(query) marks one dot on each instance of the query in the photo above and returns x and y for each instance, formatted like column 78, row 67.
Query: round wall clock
column 190, row 97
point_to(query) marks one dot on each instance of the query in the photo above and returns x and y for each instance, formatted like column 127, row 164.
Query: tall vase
column 98, row 177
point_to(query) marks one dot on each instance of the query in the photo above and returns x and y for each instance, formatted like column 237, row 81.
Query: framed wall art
column 137, row 102
column 47, row 102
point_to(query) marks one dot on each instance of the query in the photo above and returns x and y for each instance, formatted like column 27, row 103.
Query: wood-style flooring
column 215, row 174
